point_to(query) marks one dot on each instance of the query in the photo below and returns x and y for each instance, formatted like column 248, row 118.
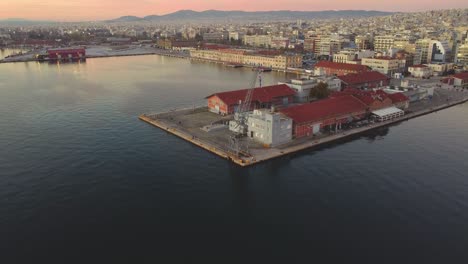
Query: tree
column 320, row 91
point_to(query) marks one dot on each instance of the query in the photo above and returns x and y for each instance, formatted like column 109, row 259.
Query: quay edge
column 292, row 149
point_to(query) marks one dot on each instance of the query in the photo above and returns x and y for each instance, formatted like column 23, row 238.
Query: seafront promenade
column 187, row 124
column 104, row 52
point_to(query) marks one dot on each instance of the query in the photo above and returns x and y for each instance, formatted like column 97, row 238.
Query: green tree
column 320, row 91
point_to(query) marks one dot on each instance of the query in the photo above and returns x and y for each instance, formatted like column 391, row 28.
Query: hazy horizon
column 89, row 10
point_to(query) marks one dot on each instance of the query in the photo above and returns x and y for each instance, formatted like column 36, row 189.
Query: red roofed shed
column 364, row 80
column 309, row 118
column 262, row 97
column 334, row 68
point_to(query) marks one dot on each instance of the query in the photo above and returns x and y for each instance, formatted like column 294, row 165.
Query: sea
column 83, row 180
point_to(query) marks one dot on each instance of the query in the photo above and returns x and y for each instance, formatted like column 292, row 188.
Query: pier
column 188, row 123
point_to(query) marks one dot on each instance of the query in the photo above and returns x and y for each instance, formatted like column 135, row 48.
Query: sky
column 85, row 10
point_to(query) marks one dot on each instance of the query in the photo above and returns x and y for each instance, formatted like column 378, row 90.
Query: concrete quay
column 187, row 123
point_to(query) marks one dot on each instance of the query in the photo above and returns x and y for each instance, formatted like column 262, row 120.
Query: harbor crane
column 240, row 123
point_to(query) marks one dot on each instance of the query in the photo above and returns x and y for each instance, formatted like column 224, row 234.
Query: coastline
column 273, row 153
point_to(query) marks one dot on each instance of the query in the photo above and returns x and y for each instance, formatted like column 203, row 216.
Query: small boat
column 264, row 69
column 234, row 65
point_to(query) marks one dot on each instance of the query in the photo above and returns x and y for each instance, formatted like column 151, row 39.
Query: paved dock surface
column 188, row 124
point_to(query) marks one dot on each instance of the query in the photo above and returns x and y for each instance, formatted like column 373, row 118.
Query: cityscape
column 234, row 134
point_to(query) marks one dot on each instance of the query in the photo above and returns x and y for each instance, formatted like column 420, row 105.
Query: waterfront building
column 66, row 53
column 310, row 119
column 364, row 80
column 269, row 127
column 420, row 71
column 250, row 58
column 385, row 65
column 333, row 68
column 262, row 97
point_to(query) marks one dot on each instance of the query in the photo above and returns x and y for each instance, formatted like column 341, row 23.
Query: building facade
column 385, row 65
column 333, row 68
column 269, row 128
column 258, row 41
column 66, row 53
column 420, row 71
column 249, row 58
column 226, row 103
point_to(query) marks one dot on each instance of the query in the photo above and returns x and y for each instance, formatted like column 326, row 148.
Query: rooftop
column 363, row 77
column 260, row 94
column 342, row 66
column 324, row 109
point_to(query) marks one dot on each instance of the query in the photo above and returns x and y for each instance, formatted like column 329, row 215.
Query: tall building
column 432, row 51
column 383, row 43
column 422, row 51
column 362, row 42
column 462, row 53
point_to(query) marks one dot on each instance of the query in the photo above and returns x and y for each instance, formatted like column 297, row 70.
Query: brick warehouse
column 66, row 53
column 226, row 103
column 309, row 119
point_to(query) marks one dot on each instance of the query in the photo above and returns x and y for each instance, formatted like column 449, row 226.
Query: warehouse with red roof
column 334, row 68
column 364, row 80
column 309, row 119
column 263, row 97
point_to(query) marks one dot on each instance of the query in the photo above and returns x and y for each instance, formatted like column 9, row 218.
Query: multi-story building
column 462, row 53
column 216, row 36
column 385, row 65
column 383, row 43
column 429, row 51
column 333, row 68
column 351, row 56
column 249, row 58
column 258, row 40
column 362, row 42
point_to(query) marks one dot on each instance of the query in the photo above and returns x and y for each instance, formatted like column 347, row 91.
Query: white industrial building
column 270, row 128
column 388, row 113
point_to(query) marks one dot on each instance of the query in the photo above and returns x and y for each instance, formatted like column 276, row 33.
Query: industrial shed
column 309, row 119
column 263, row 97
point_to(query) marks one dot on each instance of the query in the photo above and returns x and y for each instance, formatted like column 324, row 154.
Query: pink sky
column 78, row 10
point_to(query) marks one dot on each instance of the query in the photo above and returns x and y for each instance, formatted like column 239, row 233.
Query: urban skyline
column 86, row 10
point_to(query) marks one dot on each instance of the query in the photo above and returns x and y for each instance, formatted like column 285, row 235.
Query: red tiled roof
column 398, row 97
column 461, row 75
column 260, row 94
column 367, row 97
column 324, row 109
column 341, row 66
column 363, row 77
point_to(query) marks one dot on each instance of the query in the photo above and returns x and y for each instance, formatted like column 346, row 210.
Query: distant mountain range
column 212, row 15
column 187, row 15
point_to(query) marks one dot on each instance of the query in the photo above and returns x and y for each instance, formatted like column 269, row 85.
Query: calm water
column 83, row 180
